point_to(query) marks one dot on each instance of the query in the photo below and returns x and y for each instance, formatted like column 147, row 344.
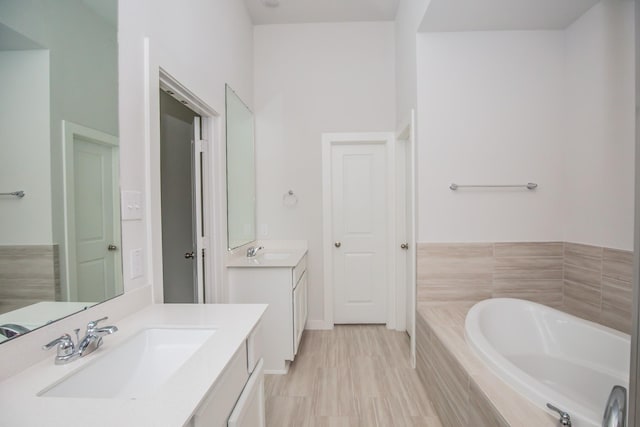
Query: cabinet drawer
column 217, row 406
column 250, row 409
column 299, row 270
column 255, row 349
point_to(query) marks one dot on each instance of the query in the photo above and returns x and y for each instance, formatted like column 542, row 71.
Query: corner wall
column 206, row 44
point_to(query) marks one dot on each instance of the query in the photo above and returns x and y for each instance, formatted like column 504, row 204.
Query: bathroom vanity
column 217, row 381
column 277, row 277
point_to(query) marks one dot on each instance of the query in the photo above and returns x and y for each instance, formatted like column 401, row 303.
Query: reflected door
column 93, row 224
column 359, row 201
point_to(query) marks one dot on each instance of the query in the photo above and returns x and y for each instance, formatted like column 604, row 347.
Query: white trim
column 328, row 139
column 157, row 77
column 69, row 131
column 318, row 325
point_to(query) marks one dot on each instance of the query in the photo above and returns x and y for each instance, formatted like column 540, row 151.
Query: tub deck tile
column 487, row 400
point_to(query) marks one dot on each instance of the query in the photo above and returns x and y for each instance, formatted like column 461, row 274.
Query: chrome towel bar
column 528, row 186
column 20, row 194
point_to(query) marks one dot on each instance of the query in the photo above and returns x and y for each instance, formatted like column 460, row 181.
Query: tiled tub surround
column 28, row 275
column 464, row 391
column 588, row 281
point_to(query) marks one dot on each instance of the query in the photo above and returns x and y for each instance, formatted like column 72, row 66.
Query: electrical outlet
column 136, row 263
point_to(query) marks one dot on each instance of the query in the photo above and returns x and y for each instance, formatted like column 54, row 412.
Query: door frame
column 213, row 195
column 407, row 135
column 69, row 132
column 356, row 138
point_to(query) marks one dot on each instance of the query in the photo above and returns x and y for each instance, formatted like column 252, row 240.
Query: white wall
column 310, row 79
column 555, row 108
column 599, row 192
column 25, row 162
column 81, row 75
column 204, row 45
column 408, row 18
column 490, row 111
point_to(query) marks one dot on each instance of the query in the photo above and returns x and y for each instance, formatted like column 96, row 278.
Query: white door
column 92, row 220
column 359, row 222
column 406, row 243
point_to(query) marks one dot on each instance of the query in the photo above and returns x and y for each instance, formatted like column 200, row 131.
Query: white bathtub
column 550, row 356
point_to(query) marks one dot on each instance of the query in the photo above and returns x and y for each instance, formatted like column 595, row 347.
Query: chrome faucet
column 11, row 330
column 565, row 418
column 68, row 351
column 253, row 251
column 615, row 413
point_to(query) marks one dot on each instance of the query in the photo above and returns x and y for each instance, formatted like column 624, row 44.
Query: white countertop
column 174, row 402
column 240, row 260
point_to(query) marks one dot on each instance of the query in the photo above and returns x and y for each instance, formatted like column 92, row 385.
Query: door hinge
column 201, row 145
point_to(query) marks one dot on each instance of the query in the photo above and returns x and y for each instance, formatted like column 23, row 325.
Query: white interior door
column 406, row 220
column 359, row 222
column 92, row 221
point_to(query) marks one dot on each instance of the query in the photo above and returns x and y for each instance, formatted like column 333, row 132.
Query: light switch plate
column 131, row 205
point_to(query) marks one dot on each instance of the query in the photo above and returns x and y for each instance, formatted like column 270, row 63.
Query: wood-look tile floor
column 356, row 375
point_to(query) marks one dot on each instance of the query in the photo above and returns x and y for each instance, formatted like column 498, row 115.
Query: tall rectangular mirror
column 241, row 172
column 59, row 168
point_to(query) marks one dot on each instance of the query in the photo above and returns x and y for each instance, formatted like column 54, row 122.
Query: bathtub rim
column 520, row 381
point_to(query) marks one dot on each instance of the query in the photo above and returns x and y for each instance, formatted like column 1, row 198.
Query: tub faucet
column 565, row 418
column 253, row 251
column 615, row 413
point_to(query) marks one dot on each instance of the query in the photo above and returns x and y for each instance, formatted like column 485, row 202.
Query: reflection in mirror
column 59, row 243
column 241, row 172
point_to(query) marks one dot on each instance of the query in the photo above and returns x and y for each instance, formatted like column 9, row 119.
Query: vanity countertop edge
column 174, row 402
column 241, row 260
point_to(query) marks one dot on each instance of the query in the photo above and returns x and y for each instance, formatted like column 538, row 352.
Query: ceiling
column 496, row 15
column 305, row 11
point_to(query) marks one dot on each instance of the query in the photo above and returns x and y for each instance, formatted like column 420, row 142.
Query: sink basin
column 275, row 256
column 134, row 369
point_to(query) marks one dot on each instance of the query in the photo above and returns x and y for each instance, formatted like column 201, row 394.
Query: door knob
column 112, row 247
column 404, row 246
column 337, row 244
column 189, row 255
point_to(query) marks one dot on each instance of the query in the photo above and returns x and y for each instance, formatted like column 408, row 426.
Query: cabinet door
column 299, row 311
column 250, row 409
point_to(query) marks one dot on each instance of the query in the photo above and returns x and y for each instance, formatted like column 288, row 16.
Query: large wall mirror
column 59, row 201
column 241, row 172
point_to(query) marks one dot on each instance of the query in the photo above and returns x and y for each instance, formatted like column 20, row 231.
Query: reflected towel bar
column 19, row 194
column 528, row 186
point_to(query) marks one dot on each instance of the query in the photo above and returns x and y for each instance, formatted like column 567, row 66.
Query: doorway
column 181, row 202
column 359, row 217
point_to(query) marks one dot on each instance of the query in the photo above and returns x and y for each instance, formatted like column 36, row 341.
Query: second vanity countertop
column 268, row 258
column 173, row 403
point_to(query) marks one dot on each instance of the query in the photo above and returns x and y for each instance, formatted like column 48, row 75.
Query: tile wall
column 588, row 281
column 28, row 274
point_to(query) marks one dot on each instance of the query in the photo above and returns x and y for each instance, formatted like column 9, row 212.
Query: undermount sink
column 275, row 256
column 134, row 369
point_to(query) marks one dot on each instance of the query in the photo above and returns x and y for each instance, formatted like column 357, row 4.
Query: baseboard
column 318, row 325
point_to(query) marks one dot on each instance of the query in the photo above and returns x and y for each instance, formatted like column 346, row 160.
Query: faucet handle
column 64, row 343
column 94, row 323
column 565, row 418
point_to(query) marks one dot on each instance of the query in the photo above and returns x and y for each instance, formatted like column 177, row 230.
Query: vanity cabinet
column 284, row 289
column 237, row 399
